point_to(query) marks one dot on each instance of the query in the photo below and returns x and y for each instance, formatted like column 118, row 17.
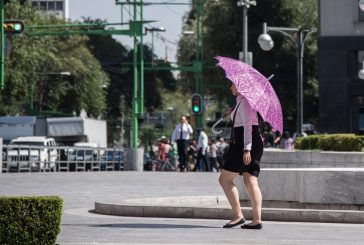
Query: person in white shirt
column 181, row 136
column 245, row 152
column 213, row 156
column 202, row 152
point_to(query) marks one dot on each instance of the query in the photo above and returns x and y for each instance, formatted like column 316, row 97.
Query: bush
column 331, row 142
column 308, row 143
column 30, row 220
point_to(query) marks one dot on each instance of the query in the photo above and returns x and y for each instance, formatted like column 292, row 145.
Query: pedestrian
column 245, row 151
column 221, row 147
column 181, row 136
column 286, row 143
column 213, row 156
column 191, row 155
column 273, row 138
column 162, row 154
column 202, row 144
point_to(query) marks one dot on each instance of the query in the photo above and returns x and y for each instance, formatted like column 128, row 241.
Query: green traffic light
column 196, row 108
column 17, row 27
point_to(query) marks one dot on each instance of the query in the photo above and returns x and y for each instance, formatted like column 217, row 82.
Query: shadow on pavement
column 143, row 226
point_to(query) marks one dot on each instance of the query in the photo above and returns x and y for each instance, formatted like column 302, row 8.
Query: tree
column 32, row 61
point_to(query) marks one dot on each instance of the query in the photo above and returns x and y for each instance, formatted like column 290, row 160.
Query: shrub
column 331, row 142
column 30, row 220
column 308, row 143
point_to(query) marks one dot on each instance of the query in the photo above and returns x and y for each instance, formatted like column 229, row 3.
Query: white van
column 83, row 151
column 32, row 153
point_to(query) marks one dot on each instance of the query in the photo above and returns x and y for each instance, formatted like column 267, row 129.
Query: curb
column 217, row 208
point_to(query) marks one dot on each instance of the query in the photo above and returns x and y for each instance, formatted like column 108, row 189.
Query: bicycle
column 166, row 165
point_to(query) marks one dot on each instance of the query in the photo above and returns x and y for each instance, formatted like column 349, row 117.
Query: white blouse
column 246, row 116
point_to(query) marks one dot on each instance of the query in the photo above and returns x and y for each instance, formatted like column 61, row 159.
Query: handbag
column 229, row 149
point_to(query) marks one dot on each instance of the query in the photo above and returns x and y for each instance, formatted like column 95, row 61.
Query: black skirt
column 234, row 160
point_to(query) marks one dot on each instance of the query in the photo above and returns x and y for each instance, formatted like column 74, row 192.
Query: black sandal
column 230, row 225
column 253, row 227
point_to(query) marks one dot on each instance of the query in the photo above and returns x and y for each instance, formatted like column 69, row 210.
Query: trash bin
column 134, row 159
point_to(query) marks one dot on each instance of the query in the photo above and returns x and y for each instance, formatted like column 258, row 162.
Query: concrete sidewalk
column 81, row 190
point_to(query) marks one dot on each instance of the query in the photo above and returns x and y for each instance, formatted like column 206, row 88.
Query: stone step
column 216, row 207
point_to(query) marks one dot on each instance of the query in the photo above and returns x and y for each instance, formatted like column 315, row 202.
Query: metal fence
column 21, row 158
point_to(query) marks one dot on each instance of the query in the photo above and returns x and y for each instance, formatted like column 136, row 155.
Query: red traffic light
column 14, row 27
column 196, row 104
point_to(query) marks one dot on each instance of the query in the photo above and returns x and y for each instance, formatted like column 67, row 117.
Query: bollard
column 134, row 159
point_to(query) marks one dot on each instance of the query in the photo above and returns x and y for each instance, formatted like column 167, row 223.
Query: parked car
column 83, row 154
column 32, row 153
column 112, row 158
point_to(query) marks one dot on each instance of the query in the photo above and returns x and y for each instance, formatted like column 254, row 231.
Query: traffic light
column 14, row 27
column 196, row 104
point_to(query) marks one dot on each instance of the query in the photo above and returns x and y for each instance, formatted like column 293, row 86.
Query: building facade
column 59, row 8
column 341, row 57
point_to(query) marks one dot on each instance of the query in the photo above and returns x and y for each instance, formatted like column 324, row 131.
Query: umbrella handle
column 215, row 124
column 270, row 77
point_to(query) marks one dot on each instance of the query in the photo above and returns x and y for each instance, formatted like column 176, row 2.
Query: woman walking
column 246, row 149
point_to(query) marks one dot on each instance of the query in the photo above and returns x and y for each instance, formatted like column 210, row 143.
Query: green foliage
column 32, row 72
column 30, row 220
column 331, row 142
column 308, row 143
column 148, row 135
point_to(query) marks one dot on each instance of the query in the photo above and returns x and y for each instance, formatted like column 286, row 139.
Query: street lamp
column 297, row 36
column 152, row 30
column 246, row 5
column 361, row 5
column 361, row 72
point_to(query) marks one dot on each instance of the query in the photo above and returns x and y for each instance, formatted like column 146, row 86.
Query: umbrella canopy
column 256, row 88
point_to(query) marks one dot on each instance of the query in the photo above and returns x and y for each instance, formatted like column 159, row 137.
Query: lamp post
column 361, row 5
column 297, row 36
column 361, row 72
column 152, row 30
column 246, row 5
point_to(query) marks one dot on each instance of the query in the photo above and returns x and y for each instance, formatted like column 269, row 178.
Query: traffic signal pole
column 135, row 84
column 199, row 60
column 138, row 75
column 2, row 45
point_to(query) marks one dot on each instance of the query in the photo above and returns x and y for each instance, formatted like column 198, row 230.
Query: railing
column 20, row 158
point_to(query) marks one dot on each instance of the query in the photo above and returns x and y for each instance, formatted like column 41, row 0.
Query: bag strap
column 232, row 126
column 180, row 136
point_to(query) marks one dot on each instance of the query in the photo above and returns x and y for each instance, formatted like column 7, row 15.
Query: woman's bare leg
column 255, row 196
column 226, row 180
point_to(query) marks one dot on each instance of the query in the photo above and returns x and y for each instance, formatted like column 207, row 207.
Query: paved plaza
column 80, row 226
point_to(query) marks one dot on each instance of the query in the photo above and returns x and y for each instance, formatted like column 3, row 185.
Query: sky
column 167, row 16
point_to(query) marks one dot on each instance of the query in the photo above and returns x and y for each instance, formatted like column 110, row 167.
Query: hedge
column 331, row 142
column 30, row 220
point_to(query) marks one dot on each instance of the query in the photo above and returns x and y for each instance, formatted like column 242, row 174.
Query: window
column 43, row 5
column 35, row 4
column 59, row 5
column 51, row 6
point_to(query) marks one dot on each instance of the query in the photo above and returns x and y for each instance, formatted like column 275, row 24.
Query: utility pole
column 2, row 45
column 246, row 57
